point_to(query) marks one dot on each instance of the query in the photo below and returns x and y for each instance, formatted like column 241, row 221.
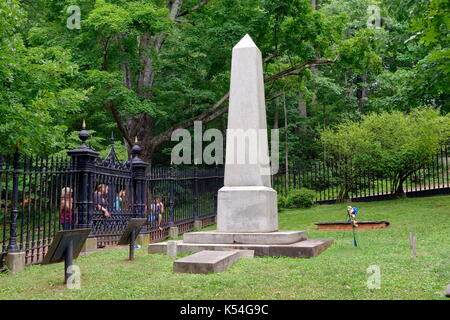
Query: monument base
column 277, row 237
column 274, row 244
column 247, row 209
column 301, row 249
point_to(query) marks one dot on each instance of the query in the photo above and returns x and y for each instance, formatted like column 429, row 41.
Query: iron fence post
column 196, row 204
column 138, row 168
column 216, row 179
column 12, row 245
column 83, row 162
column 171, row 198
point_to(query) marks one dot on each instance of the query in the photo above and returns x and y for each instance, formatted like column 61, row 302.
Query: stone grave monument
column 247, row 216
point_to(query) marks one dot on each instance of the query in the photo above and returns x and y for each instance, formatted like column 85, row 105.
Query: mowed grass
column 340, row 272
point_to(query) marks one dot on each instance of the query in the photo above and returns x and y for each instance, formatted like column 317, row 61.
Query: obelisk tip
column 245, row 42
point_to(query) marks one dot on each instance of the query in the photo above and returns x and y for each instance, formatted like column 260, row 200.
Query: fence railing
column 340, row 181
column 41, row 195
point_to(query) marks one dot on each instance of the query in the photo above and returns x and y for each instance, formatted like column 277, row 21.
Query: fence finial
column 136, row 150
column 84, row 134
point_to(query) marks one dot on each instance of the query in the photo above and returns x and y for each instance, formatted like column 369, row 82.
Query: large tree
column 156, row 65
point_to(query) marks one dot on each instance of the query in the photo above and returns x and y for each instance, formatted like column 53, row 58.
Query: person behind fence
column 155, row 212
column 66, row 209
column 101, row 199
column 121, row 201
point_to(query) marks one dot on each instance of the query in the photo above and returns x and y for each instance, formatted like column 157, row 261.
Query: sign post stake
column 130, row 233
column 132, row 240
column 68, row 261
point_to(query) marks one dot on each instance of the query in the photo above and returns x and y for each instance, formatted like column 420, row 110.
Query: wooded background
column 146, row 67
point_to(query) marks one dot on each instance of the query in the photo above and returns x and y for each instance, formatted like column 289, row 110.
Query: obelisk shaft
column 247, row 145
column 247, row 203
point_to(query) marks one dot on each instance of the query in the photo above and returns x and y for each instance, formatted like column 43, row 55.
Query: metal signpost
column 130, row 233
column 66, row 246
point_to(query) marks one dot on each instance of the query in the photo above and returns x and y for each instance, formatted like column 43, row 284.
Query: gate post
column 82, row 162
column 138, row 168
column 15, row 259
column 12, row 245
column 196, row 192
column 198, row 224
column 216, row 188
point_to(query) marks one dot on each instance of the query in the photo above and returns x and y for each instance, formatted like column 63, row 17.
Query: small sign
column 61, row 242
column 134, row 224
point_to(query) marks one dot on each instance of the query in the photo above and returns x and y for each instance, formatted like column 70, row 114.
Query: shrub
column 282, row 201
column 301, row 198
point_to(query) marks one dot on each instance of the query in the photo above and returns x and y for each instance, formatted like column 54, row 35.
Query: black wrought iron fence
column 30, row 202
column 42, row 195
column 341, row 180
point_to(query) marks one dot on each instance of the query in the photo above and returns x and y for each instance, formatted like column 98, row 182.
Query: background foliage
column 145, row 67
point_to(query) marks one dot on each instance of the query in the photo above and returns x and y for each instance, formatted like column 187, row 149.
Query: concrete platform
column 301, row 249
column 277, row 237
column 206, row 262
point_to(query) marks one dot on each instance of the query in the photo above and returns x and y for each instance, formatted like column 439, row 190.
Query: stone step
column 206, row 262
column 278, row 237
column 302, row 249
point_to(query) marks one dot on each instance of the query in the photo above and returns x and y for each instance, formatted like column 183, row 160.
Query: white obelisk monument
column 247, row 217
column 247, row 203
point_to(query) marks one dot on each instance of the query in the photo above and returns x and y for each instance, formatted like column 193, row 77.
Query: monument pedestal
column 299, row 249
column 247, row 209
column 293, row 244
column 278, row 237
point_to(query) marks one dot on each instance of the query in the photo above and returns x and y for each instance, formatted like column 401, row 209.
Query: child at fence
column 66, row 209
column 156, row 210
column 101, row 199
column 120, row 204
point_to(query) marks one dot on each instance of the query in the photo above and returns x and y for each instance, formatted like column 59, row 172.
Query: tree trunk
column 141, row 127
column 286, row 151
column 276, row 118
column 302, row 106
column 342, row 195
column 398, row 188
column 362, row 94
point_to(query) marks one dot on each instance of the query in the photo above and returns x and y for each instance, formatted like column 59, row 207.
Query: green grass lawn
column 340, row 272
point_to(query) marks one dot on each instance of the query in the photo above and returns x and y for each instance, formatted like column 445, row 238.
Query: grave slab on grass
column 206, row 261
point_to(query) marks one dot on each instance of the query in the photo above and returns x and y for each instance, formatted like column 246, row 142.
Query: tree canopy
column 386, row 144
column 144, row 68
